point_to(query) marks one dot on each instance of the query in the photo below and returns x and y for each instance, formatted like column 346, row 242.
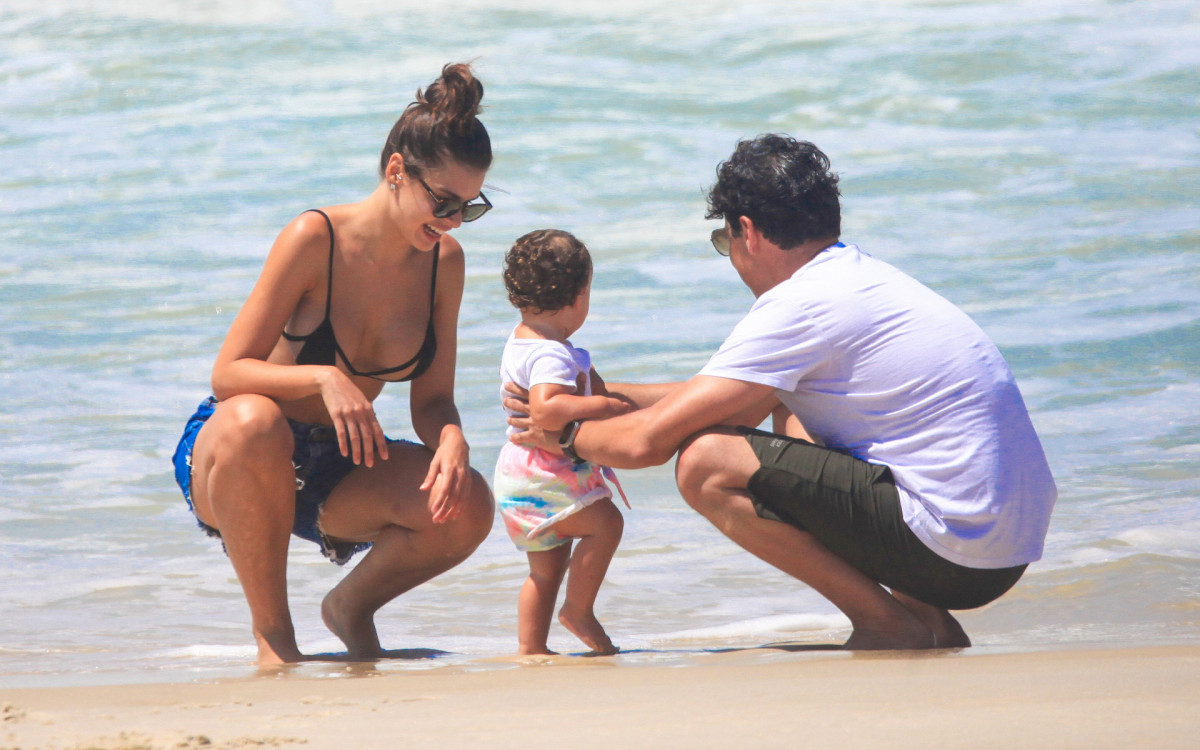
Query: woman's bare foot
column 359, row 635
column 588, row 629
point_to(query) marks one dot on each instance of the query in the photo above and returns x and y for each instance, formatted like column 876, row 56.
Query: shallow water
column 1036, row 163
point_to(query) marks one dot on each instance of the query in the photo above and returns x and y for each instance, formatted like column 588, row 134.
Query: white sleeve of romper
column 552, row 364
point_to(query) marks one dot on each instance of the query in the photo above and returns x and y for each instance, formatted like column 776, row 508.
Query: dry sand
column 757, row 698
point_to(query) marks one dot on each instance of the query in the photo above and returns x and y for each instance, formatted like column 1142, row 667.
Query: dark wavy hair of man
column 783, row 185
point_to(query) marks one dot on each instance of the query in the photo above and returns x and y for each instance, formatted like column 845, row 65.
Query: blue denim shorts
column 319, row 466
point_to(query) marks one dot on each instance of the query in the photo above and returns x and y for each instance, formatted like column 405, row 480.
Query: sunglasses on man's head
column 446, row 207
column 720, row 239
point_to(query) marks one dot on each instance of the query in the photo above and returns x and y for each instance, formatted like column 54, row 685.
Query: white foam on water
column 211, row 652
column 1182, row 541
column 777, row 625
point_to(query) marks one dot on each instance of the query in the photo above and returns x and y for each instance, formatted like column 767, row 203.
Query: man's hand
column 527, row 432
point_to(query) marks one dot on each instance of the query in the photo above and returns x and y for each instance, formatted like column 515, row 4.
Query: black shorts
column 853, row 508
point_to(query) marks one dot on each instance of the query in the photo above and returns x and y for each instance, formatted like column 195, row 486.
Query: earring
column 392, row 186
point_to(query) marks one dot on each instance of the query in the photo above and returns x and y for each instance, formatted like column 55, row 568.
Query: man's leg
column 713, row 471
column 949, row 632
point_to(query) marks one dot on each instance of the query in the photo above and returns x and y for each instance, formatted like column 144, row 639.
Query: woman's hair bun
column 443, row 123
column 454, row 98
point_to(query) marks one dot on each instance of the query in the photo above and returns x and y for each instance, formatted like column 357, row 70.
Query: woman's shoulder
column 302, row 249
column 308, row 233
column 450, row 252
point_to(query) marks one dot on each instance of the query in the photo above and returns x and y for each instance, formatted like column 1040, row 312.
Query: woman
column 350, row 298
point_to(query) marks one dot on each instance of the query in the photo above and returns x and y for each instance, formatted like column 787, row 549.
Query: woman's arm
column 435, row 416
column 295, row 266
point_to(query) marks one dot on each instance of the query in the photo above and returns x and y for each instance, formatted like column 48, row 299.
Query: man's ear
column 750, row 233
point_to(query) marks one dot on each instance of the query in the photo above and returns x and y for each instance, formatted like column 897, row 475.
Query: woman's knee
column 478, row 509
column 246, row 443
column 253, row 427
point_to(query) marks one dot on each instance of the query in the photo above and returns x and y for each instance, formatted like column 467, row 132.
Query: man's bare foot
column 945, row 627
column 588, row 629
column 362, row 642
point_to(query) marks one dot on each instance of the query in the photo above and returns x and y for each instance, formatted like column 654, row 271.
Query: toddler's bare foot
column 273, row 652
column 362, row 642
column 588, row 629
column 542, row 650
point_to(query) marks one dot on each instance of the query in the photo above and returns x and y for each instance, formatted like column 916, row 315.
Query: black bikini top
column 321, row 346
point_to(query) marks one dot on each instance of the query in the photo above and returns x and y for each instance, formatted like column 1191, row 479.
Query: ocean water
column 1038, row 163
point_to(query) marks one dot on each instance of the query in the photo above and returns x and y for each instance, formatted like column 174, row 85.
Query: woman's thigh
column 388, row 493
column 249, row 437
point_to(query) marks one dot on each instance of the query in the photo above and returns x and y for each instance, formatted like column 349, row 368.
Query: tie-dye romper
column 535, row 488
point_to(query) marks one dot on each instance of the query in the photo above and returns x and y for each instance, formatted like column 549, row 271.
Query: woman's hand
column 359, row 433
column 449, row 476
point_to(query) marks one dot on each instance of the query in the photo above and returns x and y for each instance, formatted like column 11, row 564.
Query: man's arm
column 651, row 436
column 640, row 395
column 784, row 422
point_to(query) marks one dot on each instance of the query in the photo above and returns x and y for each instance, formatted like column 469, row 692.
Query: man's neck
column 799, row 256
column 783, row 264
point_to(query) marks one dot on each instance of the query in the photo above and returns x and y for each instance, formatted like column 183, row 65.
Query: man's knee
column 718, row 458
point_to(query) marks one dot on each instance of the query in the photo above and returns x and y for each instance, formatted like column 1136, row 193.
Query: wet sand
column 753, row 698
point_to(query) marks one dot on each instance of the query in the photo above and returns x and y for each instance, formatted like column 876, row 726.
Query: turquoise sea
column 1038, row 163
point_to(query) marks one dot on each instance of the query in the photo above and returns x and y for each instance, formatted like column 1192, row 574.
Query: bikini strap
column 437, row 251
column 329, row 288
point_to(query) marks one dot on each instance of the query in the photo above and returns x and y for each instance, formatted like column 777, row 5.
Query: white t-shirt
column 530, row 362
column 876, row 364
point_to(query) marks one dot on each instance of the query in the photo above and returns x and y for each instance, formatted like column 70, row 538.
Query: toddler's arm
column 551, row 406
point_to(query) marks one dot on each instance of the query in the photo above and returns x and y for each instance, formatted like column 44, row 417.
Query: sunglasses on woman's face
column 721, row 241
column 446, row 207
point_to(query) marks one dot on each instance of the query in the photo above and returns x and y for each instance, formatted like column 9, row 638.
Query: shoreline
column 778, row 696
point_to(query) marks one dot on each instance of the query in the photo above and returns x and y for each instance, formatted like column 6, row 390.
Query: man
column 928, row 490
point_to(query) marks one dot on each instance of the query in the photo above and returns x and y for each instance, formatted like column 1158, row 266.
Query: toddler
column 549, row 503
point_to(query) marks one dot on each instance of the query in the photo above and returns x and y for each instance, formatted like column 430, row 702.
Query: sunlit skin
column 422, row 505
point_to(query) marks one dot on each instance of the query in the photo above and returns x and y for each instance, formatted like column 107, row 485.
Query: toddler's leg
column 535, row 606
column 598, row 528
